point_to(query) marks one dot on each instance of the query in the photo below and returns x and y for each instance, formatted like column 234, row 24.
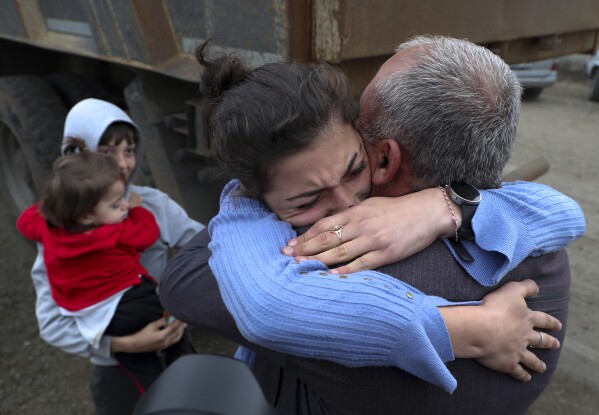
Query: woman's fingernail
column 287, row 251
column 292, row 242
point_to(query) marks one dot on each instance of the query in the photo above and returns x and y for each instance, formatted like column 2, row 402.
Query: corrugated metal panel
column 161, row 35
column 352, row 29
column 117, row 29
column 10, row 20
column 256, row 30
column 73, row 10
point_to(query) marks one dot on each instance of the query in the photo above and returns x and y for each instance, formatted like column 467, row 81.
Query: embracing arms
column 300, row 309
column 511, row 223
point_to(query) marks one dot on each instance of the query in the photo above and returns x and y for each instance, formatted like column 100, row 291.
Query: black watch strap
column 461, row 250
column 465, row 232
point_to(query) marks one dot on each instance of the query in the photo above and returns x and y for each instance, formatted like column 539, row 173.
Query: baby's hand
column 135, row 200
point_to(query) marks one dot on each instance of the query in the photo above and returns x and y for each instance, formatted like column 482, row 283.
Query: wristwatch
column 467, row 197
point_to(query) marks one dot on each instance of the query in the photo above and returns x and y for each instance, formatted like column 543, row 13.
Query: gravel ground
column 561, row 126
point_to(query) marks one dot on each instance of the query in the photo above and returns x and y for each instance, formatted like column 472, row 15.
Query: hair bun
column 220, row 73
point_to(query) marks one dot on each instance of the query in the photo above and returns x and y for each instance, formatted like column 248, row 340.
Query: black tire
column 531, row 93
column 595, row 86
column 31, row 124
column 73, row 88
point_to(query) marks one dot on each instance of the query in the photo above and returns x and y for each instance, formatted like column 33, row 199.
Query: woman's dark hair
column 78, row 183
column 261, row 116
column 117, row 132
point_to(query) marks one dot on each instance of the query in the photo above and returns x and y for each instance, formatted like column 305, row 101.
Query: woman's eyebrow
column 305, row 194
column 350, row 165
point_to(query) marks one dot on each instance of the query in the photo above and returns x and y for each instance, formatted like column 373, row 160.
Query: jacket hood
column 88, row 120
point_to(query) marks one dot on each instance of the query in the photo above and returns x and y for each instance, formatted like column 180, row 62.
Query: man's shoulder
column 199, row 242
column 436, row 272
column 550, row 270
column 435, row 259
column 192, row 258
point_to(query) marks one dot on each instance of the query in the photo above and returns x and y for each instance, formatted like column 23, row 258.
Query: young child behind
column 92, row 239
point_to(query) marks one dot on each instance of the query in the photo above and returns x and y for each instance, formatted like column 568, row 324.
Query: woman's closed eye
column 359, row 169
column 311, row 203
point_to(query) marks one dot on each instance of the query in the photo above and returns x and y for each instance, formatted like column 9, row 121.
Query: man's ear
column 387, row 162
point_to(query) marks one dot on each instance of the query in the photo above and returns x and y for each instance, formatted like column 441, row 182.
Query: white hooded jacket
column 87, row 121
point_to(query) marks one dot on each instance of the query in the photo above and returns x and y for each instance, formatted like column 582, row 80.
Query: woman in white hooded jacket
column 114, row 389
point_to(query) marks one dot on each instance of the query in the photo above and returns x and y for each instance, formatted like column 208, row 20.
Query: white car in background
column 535, row 76
column 593, row 74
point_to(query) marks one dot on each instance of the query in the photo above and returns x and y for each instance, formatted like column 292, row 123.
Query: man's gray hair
column 454, row 112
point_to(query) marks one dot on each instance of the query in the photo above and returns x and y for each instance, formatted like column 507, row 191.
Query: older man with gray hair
column 451, row 105
column 440, row 112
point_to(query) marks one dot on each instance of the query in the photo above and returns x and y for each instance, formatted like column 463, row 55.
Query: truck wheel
column 73, row 88
column 531, row 93
column 595, row 86
column 31, row 124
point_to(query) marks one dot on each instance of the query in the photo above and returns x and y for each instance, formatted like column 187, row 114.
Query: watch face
column 465, row 191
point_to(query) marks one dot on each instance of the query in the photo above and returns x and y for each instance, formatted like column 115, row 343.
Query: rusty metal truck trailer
column 139, row 55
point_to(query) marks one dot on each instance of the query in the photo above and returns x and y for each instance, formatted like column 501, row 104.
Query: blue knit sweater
column 367, row 318
column 521, row 219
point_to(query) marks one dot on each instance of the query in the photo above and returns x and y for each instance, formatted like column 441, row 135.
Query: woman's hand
column 378, row 231
column 499, row 332
column 152, row 338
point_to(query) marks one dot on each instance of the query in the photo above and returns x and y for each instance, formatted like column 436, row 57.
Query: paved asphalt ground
column 562, row 126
